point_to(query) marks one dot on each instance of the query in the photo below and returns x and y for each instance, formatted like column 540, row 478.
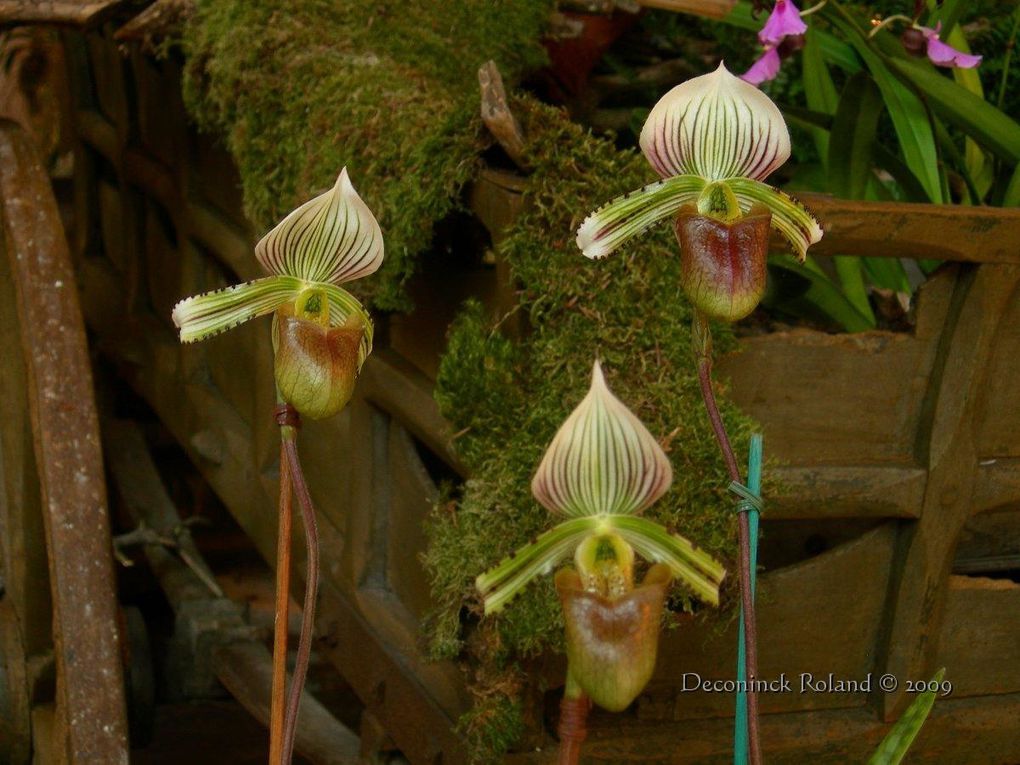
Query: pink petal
column 784, row 21
column 942, row 54
column 765, row 68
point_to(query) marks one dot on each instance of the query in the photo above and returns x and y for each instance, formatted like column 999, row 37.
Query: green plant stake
column 898, row 740
column 749, row 503
column 321, row 337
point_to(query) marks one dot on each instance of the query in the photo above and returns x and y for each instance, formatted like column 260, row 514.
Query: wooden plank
column 847, row 585
column 848, row 400
column 847, row 491
column 979, row 646
column 959, row 380
column 998, row 417
column 90, row 703
column 998, row 481
column 712, row 9
column 907, row 230
column 79, row 13
column 961, row 731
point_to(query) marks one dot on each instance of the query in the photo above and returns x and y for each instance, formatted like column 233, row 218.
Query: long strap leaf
column 898, row 740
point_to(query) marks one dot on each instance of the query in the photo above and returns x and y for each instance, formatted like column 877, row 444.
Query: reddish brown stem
column 279, row 694
column 311, row 591
column 746, row 597
column 572, row 729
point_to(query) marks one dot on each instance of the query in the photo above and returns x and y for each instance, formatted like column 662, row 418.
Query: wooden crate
column 901, row 456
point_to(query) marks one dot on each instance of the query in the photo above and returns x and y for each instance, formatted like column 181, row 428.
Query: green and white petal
column 627, row 216
column 789, row 217
column 332, row 238
column 602, row 461
column 209, row 314
column 716, row 126
column 500, row 584
column 342, row 307
column 695, row 567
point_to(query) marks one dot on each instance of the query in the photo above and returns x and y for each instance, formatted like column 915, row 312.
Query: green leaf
column 853, row 137
column 896, row 743
column 818, row 87
column 909, row 115
column 1012, row 196
column 851, row 276
column 887, row 273
column 950, row 15
column 807, row 291
column 971, row 114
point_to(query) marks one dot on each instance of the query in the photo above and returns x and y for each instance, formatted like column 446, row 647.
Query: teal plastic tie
column 750, row 503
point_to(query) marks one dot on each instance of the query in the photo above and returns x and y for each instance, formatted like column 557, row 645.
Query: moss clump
column 387, row 88
column 510, row 397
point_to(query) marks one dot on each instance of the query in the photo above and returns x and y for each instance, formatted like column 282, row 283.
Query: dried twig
column 497, row 116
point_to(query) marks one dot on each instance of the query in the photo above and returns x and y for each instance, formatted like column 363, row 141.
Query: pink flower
column 942, row 54
column 784, row 21
column 765, row 68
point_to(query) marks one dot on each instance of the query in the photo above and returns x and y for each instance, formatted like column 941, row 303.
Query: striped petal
column 716, row 126
column 209, row 314
column 627, row 216
column 332, row 238
column 602, row 461
column 789, row 217
column 500, row 584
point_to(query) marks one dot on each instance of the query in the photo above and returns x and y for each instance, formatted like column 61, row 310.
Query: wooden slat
column 80, row 14
column 959, row 381
column 847, row 491
column 712, row 9
column 905, row 230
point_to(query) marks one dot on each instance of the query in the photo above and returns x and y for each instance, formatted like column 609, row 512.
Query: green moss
column 509, row 398
column 387, row 88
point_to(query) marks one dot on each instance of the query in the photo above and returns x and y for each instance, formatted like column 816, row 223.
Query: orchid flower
column 602, row 469
column 943, row 54
column 714, row 140
column 784, row 22
column 322, row 334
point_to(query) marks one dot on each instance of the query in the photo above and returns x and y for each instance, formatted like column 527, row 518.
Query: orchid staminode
column 714, row 140
column 601, row 470
column 328, row 241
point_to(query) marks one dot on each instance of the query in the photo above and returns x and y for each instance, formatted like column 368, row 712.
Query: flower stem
column 311, row 591
column 703, row 332
column 283, row 539
column 572, row 730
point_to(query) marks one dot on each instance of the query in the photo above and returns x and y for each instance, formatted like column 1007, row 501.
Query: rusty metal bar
column 90, row 689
